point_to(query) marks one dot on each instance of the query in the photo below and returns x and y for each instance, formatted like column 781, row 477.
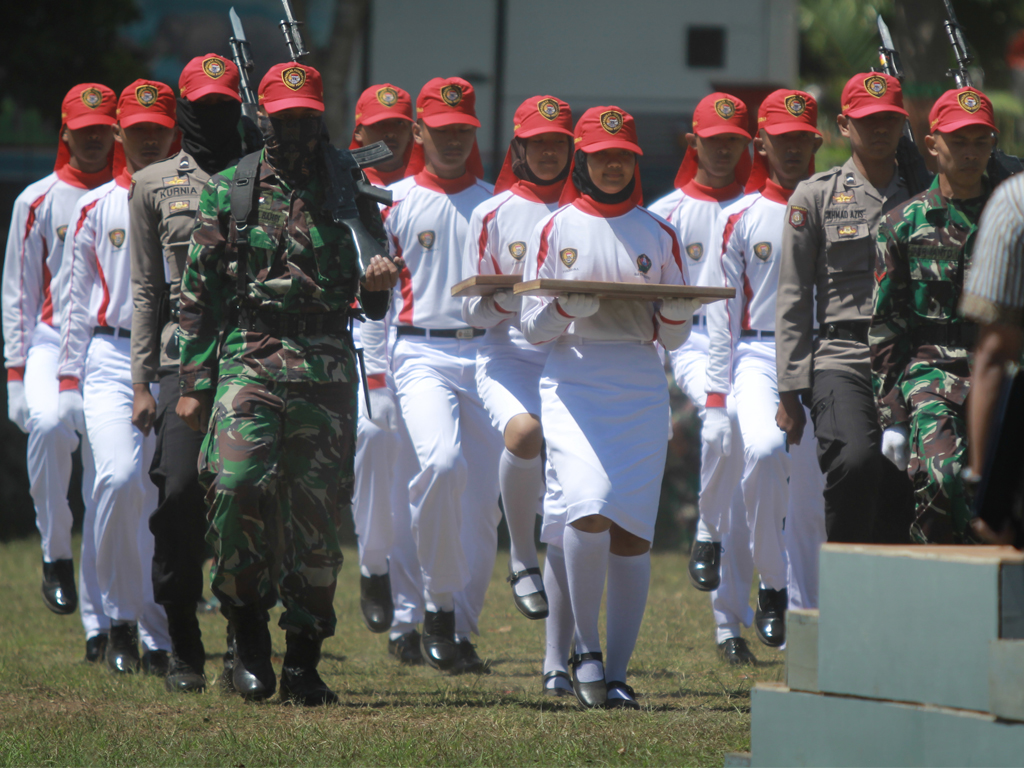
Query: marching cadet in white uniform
column 508, row 367
column 711, row 177
column 741, row 358
column 603, row 392
column 35, row 246
column 94, row 368
column 454, row 492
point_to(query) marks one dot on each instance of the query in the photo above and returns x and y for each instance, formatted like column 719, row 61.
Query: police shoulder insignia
column 517, row 249
column 725, row 108
column 795, row 104
column 797, row 216
column 426, row 239
column 876, row 86
column 695, row 251
column 451, row 95
column 548, row 108
column 848, row 230
column 92, row 97
column 568, row 256
column 146, row 95
column 294, row 77
column 842, row 197
column 763, row 251
column 213, row 67
column 61, row 231
column 970, row 101
column 177, row 206
column 611, row 121
column 643, row 263
column 387, row 96
column 116, row 237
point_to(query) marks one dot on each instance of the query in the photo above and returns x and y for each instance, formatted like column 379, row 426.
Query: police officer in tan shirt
column 163, row 201
column 827, row 273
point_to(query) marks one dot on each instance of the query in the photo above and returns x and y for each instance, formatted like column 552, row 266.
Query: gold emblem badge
column 726, row 108
column 116, row 237
column 568, row 256
column 548, row 109
column 695, row 251
column 177, row 206
column 294, row 77
column 451, row 95
column 795, row 105
column 61, row 231
column 146, row 95
column 797, row 217
column 387, row 97
column 876, row 86
column 92, row 97
column 426, row 239
column 842, row 197
column 214, row 67
column 174, row 181
column 611, row 121
column 763, row 251
column 517, row 249
column 848, row 230
column 970, row 101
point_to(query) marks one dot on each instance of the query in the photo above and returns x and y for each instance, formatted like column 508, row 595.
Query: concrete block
column 1006, row 679
column 802, row 650
column 795, row 728
column 914, row 624
column 736, row 760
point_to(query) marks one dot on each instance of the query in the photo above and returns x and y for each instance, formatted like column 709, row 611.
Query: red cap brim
column 158, row 118
column 296, row 102
column 875, row 109
column 86, row 120
column 382, row 116
column 612, row 144
column 963, row 123
column 453, row 118
column 777, row 128
column 718, row 130
column 542, row 129
column 205, row 90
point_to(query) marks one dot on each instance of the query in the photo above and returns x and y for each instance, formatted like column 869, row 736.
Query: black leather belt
column 106, row 330
column 289, row 324
column 441, row 333
column 845, row 330
column 747, row 334
column 957, row 335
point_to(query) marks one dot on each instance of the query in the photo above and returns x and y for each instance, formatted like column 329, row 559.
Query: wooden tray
column 485, row 285
column 627, row 291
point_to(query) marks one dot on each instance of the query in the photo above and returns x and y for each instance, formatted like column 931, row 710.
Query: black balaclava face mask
column 523, row 171
column 293, row 147
column 581, row 178
column 209, row 132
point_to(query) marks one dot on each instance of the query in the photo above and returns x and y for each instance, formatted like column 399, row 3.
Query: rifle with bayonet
column 242, row 56
column 1000, row 165
column 912, row 167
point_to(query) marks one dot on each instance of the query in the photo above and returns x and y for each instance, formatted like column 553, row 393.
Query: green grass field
column 57, row 710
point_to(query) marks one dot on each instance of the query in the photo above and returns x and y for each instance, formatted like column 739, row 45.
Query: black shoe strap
column 515, row 576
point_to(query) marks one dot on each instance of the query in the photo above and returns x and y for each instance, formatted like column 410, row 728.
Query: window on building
column 705, row 46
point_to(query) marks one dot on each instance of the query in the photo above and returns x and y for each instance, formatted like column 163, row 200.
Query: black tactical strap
column 243, row 191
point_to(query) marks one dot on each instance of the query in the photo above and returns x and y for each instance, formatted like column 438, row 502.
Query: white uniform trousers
column 805, row 520
column 124, row 495
column 90, row 597
column 454, row 493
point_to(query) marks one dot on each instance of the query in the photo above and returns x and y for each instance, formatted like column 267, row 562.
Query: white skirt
column 508, row 381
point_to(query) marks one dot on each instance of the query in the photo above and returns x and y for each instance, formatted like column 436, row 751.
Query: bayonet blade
column 883, row 32
column 236, row 25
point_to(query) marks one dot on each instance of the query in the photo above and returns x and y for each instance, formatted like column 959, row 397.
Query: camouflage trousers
column 277, row 464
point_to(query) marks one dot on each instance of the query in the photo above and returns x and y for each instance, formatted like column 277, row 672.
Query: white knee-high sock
column 586, row 564
column 628, row 581
column 521, row 482
column 559, row 625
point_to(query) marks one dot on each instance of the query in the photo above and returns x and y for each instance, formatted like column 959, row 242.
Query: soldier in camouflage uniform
column 920, row 347
column 274, row 345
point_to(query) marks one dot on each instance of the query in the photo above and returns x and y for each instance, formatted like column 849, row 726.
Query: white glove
column 896, row 446
column 578, row 304
column 71, row 410
column 717, row 431
column 384, row 408
column 678, row 310
column 17, row 405
column 507, row 301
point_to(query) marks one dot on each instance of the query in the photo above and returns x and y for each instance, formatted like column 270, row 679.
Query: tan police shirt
column 162, row 203
column 828, row 260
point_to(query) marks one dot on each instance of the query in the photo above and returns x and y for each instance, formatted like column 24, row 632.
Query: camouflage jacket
column 298, row 261
column 924, row 251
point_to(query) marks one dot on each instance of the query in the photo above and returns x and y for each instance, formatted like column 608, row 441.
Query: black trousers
column 867, row 499
column 179, row 523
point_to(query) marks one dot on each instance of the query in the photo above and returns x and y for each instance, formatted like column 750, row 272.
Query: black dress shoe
column 183, row 677
column 96, row 647
column 300, row 682
column 59, row 591
column 376, row 603
column 590, row 695
column 556, row 674
column 469, row 662
column 156, row 663
column 705, row 567
column 252, row 675
column 439, row 648
column 735, row 651
column 533, row 605
column 123, row 649
column 406, row 648
column 770, row 616
column 626, row 698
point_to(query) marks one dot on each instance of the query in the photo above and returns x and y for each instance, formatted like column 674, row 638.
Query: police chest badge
column 92, row 97
column 179, row 206
column 294, row 77
column 725, row 108
column 876, row 86
column 848, row 230
column 695, row 251
column 213, row 67
column 451, row 95
column 116, row 237
column 568, row 256
column 387, row 97
column 146, row 95
column 426, row 239
column 174, row 181
column 643, row 263
column 611, row 121
column 840, row 198
column 797, row 217
column 548, row 109
column 795, row 105
column 763, row 251
column 970, row 101
column 517, row 249
column 61, row 231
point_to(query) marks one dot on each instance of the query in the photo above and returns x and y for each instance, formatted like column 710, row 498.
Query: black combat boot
column 188, row 657
column 253, row 675
column 300, row 682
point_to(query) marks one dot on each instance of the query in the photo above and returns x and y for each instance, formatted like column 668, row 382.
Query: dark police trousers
column 179, row 522
column 867, row 499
